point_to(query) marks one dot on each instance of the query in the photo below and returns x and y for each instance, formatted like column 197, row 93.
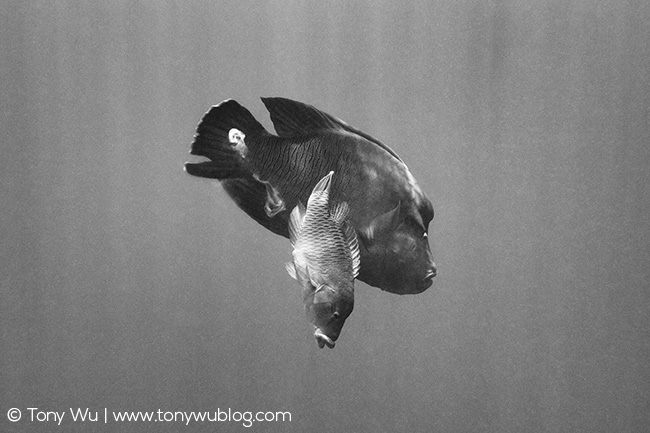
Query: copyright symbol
column 14, row 414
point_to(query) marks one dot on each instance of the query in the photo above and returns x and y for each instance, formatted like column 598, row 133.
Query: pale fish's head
column 327, row 309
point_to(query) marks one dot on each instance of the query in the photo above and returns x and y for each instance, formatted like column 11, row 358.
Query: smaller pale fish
column 325, row 261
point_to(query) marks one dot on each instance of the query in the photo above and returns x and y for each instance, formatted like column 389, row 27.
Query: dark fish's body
column 325, row 261
column 268, row 175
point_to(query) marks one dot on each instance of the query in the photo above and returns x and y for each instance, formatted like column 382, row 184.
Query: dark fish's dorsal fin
column 291, row 118
column 295, row 222
column 294, row 118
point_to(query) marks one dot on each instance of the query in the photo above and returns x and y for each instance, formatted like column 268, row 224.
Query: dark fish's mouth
column 430, row 275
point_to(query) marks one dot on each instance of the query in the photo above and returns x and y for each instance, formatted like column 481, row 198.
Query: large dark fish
column 325, row 261
column 267, row 175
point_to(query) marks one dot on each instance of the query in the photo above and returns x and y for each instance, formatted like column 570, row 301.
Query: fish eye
column 336, row 315
column 417, row 226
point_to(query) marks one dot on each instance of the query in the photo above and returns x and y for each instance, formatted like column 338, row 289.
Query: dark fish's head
column 327, row 309
column 395, row 252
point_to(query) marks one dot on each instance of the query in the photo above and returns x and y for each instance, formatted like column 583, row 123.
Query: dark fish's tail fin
column 220, row 137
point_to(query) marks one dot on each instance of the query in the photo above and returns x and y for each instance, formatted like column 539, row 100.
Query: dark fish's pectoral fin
column 251, row 195
column 381, row 224
column 220, row 138
column 291, row 118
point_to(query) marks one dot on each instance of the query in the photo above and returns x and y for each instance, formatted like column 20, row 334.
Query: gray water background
column 129, row 285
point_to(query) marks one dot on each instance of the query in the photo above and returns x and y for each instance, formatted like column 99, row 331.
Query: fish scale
column 325, row 261
column 322, row 241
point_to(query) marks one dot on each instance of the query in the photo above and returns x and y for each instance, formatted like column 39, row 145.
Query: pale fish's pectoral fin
column 274, row 204
column 381, row 224
column 340, row 213
column 353, row 245
column 299, row 274
column 295, row 222
column 291, row 269
column 324, row 184
column 301, row 269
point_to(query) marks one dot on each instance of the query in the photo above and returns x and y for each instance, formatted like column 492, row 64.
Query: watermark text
column 104, row 415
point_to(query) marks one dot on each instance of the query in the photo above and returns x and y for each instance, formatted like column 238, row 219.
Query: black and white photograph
column 325, row 216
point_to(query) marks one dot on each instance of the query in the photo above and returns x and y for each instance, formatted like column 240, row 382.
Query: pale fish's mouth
column 322, row 339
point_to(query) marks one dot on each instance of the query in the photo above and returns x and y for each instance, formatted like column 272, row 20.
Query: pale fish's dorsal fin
column 295, row 222
column 291, row 118
column 340, row 213
column 324, row 184
column 353, row 245
column 382, row 223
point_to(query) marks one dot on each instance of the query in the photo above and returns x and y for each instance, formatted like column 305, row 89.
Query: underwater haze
column 129, row 285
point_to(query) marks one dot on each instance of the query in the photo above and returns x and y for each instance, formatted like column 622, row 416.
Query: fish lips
column 428, row 278
column 425, row 283
column 392, row 283
column 323, row 340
